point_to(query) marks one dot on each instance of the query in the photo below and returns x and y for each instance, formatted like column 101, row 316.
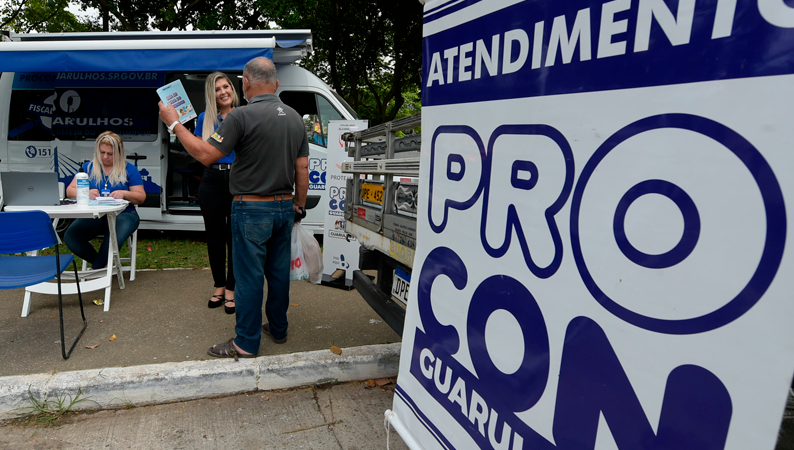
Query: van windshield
column 316, row 110
column 344, row 103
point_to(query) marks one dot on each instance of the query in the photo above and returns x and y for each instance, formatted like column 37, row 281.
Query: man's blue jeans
column 81, row 231
column 261, row 236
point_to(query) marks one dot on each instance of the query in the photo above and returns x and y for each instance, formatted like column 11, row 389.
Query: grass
column 45, row 412
column 161, row 250
column 158, row 250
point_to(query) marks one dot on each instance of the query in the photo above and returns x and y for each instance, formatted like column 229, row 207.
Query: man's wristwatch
column 172, row 126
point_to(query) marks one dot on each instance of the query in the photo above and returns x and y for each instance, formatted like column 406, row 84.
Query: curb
column 119, row 387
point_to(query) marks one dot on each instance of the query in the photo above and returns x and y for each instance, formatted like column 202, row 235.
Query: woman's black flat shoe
column 228, row 309
column 215, row 303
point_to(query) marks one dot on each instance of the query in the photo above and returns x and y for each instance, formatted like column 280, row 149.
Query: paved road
column 345, row 416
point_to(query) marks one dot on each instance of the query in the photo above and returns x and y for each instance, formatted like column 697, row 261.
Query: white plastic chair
column 132, row 244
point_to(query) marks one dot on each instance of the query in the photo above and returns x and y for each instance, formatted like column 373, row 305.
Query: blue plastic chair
column 26, row 231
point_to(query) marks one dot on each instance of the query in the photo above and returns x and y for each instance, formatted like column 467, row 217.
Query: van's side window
column 316, row 111
column 80, row 113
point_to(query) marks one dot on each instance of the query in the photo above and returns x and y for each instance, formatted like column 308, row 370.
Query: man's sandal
column 227, row 350
column 215, row 303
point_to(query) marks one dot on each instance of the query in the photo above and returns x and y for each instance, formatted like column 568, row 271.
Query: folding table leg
column 64, row 353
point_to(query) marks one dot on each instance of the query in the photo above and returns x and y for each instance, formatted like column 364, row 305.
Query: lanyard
column 106, row 180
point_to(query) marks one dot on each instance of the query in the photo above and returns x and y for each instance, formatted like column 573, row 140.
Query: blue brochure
column 174, row 94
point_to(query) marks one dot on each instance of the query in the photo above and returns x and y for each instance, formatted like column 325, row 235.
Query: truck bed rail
column 380, row 210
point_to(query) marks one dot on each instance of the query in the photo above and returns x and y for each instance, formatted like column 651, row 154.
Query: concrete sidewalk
column 346, row 416
column 162, row 330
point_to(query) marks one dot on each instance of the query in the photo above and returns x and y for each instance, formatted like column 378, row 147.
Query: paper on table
column 107, row 201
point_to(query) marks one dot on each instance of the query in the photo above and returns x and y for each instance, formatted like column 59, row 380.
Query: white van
column 51, row 112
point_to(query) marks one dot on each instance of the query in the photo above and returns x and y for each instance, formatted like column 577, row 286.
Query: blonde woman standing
column 109, row 175
column 214, row 197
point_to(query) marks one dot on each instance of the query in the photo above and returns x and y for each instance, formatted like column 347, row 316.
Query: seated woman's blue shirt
column 200, row 126
column 133, row 179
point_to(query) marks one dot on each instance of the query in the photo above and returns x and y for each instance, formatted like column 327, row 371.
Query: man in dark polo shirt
column 272, row 155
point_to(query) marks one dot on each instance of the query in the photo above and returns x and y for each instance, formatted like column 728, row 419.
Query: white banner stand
column 340, row 250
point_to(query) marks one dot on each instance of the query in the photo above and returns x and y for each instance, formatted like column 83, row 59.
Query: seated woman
column 109, row 176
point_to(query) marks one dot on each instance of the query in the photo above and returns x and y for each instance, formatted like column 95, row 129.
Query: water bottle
column 83, row 186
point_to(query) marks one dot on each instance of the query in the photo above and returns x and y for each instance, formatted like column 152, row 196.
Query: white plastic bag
column 297, row 264
column 312, row 256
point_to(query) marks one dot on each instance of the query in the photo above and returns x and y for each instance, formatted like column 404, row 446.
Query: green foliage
column 229, row 15
column 164, row 15
column 157, row 251
column 368, row 51
column 43, row 16
column 46, row 411
column 165, row 252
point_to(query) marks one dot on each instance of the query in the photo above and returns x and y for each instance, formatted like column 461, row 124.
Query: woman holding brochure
column 214, row 197
column 110, row 176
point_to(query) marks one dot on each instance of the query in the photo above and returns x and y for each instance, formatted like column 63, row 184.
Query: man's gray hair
column 260, row 70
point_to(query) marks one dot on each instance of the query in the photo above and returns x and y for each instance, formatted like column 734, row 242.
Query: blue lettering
column 516, row 181
column 520, row 168
column 696, row 410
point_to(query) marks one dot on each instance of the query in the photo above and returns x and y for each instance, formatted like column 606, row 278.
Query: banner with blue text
column 601, row 250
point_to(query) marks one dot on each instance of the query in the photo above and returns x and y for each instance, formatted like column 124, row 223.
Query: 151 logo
column 38, row 152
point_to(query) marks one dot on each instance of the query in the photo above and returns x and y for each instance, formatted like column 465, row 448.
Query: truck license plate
column 400, row 285
column 372, row 193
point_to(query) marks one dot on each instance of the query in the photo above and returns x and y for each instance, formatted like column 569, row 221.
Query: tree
column 370, row 52
column 140, row 15
column 43, row 16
